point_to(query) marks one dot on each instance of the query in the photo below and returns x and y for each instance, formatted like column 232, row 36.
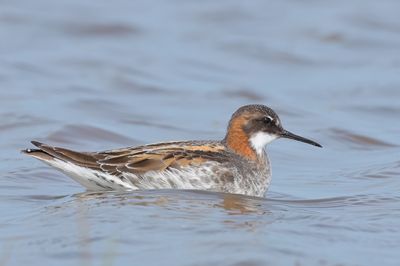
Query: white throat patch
column 260, row 139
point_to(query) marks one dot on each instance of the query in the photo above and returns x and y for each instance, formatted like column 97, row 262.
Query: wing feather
column 159, row 157
column 142, row 159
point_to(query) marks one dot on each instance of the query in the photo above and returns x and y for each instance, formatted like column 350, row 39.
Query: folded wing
column 137, row 160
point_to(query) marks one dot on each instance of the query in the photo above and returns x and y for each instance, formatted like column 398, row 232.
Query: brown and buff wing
column 137, row 160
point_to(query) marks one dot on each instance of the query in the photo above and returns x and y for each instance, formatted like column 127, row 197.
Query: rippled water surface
column 104, row 74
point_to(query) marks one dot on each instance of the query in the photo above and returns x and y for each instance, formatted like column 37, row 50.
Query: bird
column 237, row 164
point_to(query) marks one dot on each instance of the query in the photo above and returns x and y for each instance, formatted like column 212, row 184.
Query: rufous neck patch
column 237, row 140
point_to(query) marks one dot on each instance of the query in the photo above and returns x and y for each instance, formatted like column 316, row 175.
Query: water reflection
column 124, row 198
column 251, row 213
column 239, row 205
column 86, row 30
column 232, row 204
column 360, row 141
column 72, row 134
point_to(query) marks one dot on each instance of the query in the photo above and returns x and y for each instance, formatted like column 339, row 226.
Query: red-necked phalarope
column 237, row 164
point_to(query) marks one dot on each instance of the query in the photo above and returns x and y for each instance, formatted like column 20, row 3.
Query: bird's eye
column 267, row 120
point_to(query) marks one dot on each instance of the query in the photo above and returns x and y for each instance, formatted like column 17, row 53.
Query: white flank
column 91, row 179
column 204, row 177
column 260, row 139
column 185, row 178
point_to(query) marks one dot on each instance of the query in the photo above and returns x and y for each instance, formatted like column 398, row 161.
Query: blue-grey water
column 95, row 75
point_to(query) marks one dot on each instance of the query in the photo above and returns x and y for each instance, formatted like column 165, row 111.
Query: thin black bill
column 289, row 135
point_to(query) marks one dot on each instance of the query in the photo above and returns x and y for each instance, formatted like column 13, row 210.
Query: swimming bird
column 237, row 164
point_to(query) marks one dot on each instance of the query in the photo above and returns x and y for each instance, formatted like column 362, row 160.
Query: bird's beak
column 289, row 135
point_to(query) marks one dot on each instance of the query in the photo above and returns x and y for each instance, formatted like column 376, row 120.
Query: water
column 105, row 74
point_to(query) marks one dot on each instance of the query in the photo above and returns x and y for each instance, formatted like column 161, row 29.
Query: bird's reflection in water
column 232, row 204
column 233, row 210
column 245, row 213
column 124, row 198
column 238, row 204
column 141, row 213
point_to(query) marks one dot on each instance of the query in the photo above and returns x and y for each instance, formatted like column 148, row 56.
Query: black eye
column 267, row 120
